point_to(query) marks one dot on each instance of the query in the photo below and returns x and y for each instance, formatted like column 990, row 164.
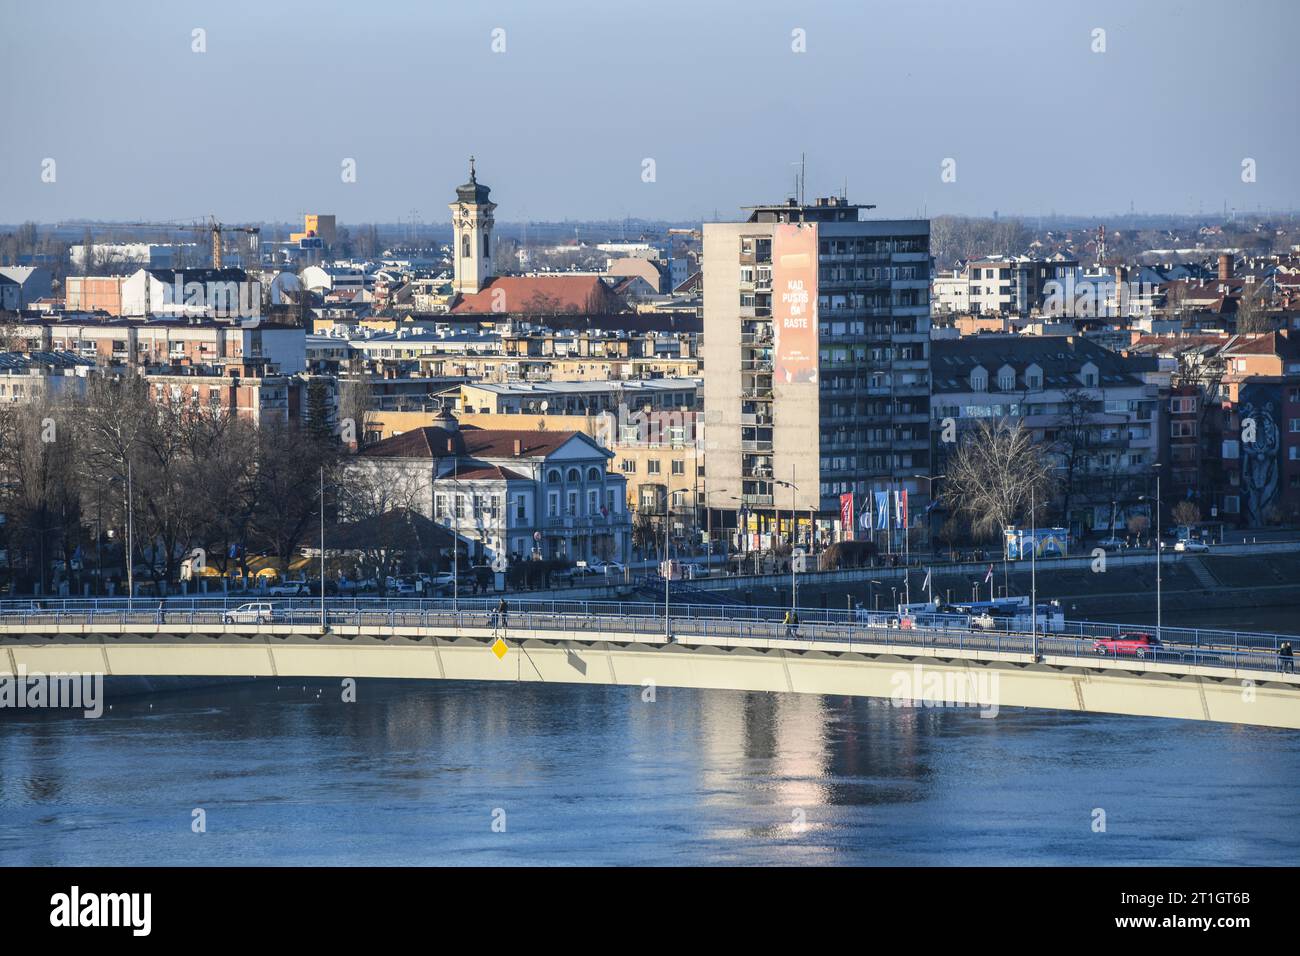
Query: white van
column 258, row 612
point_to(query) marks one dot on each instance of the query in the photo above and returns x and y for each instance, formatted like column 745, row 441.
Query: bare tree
column 993, row 474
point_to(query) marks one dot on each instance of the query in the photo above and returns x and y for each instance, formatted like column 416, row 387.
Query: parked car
column 1191, row 546
column 286, row 589
column 983, row 621
column 255, row 612
column 1111, row 544
column 1128, row 644
column 611, row 568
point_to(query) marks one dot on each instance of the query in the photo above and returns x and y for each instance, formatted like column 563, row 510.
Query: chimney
column 519, row 448
column 1225, row 266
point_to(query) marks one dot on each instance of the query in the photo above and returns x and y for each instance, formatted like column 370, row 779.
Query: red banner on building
column 846, row 516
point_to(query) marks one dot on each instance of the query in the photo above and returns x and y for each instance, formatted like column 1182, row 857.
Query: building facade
column 816, row 346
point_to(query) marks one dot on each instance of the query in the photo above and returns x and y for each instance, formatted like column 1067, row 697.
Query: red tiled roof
column 430, row 442
column 485, row 473
column 531, row 294
column 1270, row 343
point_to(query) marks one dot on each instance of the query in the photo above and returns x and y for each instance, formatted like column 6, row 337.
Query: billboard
column 794, row 303
column 1044, row 542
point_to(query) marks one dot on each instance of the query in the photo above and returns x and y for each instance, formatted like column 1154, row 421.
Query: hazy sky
column 257, row 127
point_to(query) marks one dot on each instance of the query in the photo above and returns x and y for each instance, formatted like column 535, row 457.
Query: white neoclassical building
column 517, row 492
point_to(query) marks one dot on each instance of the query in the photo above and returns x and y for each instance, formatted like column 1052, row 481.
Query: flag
column 988, row 578
column 846, row 515
column 864, row 519
column 900, row 503
column 882, row 510
column 925, row 585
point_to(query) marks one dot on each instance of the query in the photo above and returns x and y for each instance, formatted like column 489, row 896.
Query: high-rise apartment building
column 816, row 366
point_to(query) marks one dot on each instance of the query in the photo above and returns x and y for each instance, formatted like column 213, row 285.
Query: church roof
column 472, row 191
column 544, row 295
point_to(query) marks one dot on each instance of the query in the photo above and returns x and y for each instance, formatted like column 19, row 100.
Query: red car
column 1130, row 643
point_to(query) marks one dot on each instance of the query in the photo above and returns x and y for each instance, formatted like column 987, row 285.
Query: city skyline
column 1052, row 121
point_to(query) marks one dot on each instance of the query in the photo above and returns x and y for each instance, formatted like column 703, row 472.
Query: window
column 521, row 508
column 629, row 466
column 593, row 474
column 679, row 467
column 652, row 466
column 571, row 503
column 574, row 476
column 552, row 504
column 464, row 245
column 553, row 476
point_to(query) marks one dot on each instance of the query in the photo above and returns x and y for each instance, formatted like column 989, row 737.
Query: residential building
column 513, row 492
column 1096, row 413
column 816, row 350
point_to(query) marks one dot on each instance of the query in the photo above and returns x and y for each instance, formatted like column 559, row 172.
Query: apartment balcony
column 756, row 447
column 757, row 501
column 579, row 523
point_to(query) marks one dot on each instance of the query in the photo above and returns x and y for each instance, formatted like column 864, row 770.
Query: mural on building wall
column 1260, row 459
column 794, row 302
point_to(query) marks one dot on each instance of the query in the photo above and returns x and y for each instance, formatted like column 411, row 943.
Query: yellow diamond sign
column 499, row 648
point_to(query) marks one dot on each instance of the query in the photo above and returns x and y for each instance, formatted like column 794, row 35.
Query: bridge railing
column 598, row 618
column 295, row 610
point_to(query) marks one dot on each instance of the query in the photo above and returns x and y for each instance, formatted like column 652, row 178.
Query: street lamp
column 708, row 507
column 929, row 493
column 1160, row 544
column 794, row 587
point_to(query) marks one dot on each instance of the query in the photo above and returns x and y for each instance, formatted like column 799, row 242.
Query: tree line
column 190, row 476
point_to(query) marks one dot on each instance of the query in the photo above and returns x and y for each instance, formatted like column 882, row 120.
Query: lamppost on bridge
column 794, row 587
column 1160, row 545
column 929, row 510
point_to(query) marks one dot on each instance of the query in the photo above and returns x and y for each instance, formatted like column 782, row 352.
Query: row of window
column 653, row 466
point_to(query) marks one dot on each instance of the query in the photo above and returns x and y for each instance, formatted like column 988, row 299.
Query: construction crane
column 211, row 226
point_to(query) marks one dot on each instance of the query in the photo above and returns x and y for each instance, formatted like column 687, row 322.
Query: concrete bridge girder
column 922, row 674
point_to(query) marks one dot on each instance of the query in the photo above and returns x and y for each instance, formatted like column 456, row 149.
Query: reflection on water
column 414, row 771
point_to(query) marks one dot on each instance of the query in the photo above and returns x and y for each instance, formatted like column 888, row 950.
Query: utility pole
column 1033, row 574
column 794, row 540
column 130, row 540
column 667, row 570
column 322, row 548
column 1160, row 543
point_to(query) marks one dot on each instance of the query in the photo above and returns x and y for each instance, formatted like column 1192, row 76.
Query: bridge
column 1222, row 676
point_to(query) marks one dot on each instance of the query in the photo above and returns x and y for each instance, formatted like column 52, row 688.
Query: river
column 461, row 773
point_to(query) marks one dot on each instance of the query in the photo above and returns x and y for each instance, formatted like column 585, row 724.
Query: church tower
column 471, row 223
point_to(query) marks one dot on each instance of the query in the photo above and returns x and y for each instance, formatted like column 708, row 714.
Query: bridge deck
column 927, row 664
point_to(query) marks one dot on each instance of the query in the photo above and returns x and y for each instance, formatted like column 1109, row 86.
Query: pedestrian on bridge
column 791, row 624
column 1286, row 658
column 499, row 618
